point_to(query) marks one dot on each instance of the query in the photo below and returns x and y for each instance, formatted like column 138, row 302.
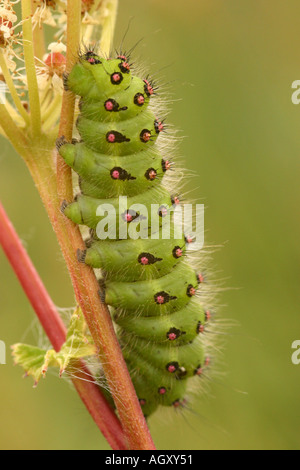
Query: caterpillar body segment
column 90, row 211
column 176, row 328
column 101, row 177
column 145, row 259
column 147, row 280
column 124, row 105
column 161, row 296
column 164, row 388
column 179, row 362
column 119, row 138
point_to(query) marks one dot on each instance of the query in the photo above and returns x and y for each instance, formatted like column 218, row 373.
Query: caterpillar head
column 93, row 74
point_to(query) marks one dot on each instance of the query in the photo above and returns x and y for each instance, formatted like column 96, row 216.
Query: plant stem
column 55, row 329
column 53, row 109
column 31, row 282
column 12, row 89
column 108, row 28
column 33, row 92
column 38, row 36
column 64, row 173
column 14, row 134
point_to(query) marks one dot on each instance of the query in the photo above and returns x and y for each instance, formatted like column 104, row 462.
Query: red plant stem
column 31, row 282
column 55, row 329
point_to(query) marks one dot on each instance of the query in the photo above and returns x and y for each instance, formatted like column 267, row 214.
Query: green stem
column 10, row 84
column 108, row 28
column 64, row 173
column 38, row 36
column 52, row 110
column 33, row 92
column 14, row 134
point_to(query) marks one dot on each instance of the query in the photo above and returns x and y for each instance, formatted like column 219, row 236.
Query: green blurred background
column 231, row 64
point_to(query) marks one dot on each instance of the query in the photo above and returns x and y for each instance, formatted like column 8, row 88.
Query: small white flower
column 6, row 31
column 57, row 47
column 44, row 15
column 7, row 14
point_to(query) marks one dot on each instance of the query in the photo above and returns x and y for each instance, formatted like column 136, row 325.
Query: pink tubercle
column 207, row 315
column 167, row 165
column 126, row 66
column 109, row 105
column 144, row 260
column 192, row 291
column 128, row 217
column 115, row 174
column 162, row 390
column 152, row 174
column 172, row 336
column 111, row 138
column 178, row 252
column 116, row 77
column 160, row 299
column 141, row 99
column 146, row 136
column 177, row 404
column 160, row 126
column 163, row 211
column 149, row 87
column 171, row 368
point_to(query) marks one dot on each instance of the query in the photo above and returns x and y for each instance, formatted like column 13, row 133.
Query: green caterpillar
column 147, row 280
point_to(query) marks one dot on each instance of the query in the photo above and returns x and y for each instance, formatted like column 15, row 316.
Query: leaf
column 35, row 361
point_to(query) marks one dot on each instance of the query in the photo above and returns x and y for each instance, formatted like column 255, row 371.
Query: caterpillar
column 147, row 280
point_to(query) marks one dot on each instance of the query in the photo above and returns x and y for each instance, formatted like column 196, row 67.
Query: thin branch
column 53, row 110
column 31, row 282
column 38, row 36
column 33, row 92
column 64, row 173
column 55, row 329
column 13, row 133
column 12, row 89
column 108, row 28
